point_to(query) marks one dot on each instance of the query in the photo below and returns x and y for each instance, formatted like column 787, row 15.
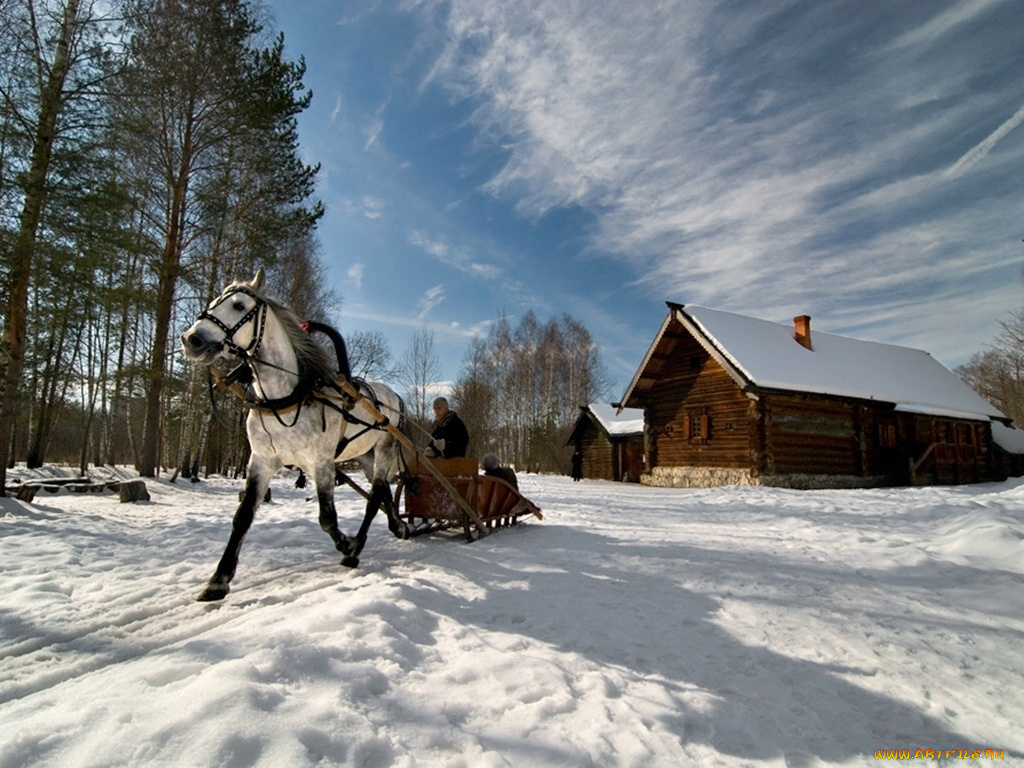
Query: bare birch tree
column 420, row 369
column 520, row 388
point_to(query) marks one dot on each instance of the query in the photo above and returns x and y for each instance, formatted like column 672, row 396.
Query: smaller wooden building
column 730, row 399
column 1009, row 449
column 612, row 442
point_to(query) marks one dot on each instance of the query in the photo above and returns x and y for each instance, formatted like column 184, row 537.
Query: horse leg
column 219, row 584
column 328, row 512
column 379, row 492
column 396, row 525
column 386, row 464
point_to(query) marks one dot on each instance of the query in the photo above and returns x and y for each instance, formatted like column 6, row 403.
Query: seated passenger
column 493, row 468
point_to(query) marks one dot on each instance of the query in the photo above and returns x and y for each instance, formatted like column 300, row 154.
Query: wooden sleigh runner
column 430, row 505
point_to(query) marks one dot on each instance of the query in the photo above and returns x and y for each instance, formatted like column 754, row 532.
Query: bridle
column 258, row 312
column 246, row 372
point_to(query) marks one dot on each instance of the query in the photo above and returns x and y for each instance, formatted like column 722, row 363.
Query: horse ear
column 260, row 281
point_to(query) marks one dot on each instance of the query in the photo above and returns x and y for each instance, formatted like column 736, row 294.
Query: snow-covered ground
column 632, row 627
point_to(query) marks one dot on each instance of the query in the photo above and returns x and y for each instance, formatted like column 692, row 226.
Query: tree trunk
column 51, row 101
column 169, row 266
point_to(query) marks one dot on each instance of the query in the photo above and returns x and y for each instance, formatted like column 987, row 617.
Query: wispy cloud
column 456, row 257
column 413, row 322
column 769, row 158
column 355, row 275
column 367, row 206
column 435, row 248
column 431, row 298
column 373, row 208
column 375, row 127
column 372, row 132
column 945, row 22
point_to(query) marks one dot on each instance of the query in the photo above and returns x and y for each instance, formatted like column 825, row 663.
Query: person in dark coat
column 493, row 467
column 577, row 464
column 449, row 437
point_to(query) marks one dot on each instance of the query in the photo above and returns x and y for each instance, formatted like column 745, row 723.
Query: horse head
column 231, row 326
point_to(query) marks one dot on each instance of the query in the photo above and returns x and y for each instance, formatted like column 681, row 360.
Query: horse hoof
column 212, row 593
column 348, row 547
column 350, row 562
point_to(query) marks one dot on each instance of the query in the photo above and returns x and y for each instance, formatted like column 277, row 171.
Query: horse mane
column 315, row 364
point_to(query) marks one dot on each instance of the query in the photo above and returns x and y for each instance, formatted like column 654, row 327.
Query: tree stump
column 26, row 493
column 134, row 490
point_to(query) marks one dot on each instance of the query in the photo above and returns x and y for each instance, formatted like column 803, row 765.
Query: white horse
column 298, row 415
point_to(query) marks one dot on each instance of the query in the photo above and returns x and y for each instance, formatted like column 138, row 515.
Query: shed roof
column 762, row 355
column 615, row 423
column 630, row 421
column 1010, row 439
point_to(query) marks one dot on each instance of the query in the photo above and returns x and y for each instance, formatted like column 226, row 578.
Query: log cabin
column 611, row 441
column 733, row 400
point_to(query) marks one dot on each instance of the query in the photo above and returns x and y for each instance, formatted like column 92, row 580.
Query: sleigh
column 442, row 494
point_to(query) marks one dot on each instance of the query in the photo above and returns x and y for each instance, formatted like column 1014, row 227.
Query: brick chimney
column 802, row 329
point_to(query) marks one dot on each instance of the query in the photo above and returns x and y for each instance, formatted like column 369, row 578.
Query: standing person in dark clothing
column 449, row 437
column 577, row 464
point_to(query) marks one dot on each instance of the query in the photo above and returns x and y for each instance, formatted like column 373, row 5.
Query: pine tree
column 50, row 69
column 210, row 118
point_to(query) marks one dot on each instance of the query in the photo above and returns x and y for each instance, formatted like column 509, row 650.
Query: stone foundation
column 713, row 477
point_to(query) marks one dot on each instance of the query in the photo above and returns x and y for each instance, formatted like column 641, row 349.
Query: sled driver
column 448, row 436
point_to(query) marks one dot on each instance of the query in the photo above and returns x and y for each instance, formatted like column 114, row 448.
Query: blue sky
column 860, row 162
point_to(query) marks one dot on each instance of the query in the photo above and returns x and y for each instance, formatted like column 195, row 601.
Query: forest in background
column 997, row 372
column 149, row 154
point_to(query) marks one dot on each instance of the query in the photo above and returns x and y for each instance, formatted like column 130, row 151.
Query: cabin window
column 697, row 425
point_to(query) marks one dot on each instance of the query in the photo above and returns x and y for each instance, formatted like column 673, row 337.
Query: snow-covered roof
column 615, row 423
column 1010, row 439
column 768, row 356
column 629, row 422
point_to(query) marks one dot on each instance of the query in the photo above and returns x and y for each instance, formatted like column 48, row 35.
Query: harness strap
column 366, row 392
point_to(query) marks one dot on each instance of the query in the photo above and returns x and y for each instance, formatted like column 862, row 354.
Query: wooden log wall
column 598, row 454
column 694, row 386
column 959, row 451
column 813, row 435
